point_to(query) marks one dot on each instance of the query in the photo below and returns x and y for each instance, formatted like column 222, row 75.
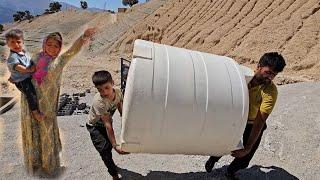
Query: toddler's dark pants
column 27, row 88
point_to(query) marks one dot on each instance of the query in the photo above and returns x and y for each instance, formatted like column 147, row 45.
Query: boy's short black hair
column 101, row 77
column 14, row 33
column 273, row 60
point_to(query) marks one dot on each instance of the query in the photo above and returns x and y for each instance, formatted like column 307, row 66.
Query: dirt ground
column 289, row 148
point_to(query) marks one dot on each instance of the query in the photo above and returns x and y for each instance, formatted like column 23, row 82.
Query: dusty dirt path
column 289, row 148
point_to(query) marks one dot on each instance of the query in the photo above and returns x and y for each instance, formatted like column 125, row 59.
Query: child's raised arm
column 76, row 47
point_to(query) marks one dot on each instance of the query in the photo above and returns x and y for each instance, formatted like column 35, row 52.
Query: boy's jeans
column 103, row 145
column 241, row 163
column 27, row 88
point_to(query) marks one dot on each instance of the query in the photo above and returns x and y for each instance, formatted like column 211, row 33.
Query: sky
column 110, row 4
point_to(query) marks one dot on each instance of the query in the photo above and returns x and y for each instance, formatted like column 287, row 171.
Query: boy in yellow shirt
column 262, row 98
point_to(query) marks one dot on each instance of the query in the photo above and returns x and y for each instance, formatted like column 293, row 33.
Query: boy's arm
column 258, row 125
column 108, row 124
column 24, row 70
column 119, row 106
column 269, row 98
column 14, row 64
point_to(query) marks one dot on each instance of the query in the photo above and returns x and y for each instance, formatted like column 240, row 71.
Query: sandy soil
column 241, row 29
column 289, row 148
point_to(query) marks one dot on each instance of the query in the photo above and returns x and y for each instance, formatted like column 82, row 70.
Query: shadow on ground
column 252, row 173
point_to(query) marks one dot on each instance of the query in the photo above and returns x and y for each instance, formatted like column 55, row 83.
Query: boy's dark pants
column 27, row 88
column 241, row 163
column 103, row 145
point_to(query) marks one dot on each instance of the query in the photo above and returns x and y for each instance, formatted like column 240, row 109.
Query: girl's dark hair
column 101, row 77
column 273, row 60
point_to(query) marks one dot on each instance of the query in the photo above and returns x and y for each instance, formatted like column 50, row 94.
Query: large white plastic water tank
column 179, row 101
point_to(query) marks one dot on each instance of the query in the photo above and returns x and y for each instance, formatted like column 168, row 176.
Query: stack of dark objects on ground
column 69, row 105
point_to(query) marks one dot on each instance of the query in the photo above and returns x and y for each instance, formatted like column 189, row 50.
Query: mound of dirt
column 243, row 30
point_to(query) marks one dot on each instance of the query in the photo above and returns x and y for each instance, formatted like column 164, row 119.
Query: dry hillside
column 241, row 29
column 71, row 24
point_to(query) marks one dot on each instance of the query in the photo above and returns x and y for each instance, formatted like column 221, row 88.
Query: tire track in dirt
column 177, row 32
column 301, row 30
column 207, row 28
column 252, row 24
column 224, row 25
column 218, row 22
column 181, row 18
column 288, row 18
column 197, row 39
column 217, row 48
column 192, row 24
column 307, row 39
column 242, row 25
column 283, row 6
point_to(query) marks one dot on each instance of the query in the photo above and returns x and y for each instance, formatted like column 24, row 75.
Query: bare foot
column 37, row 115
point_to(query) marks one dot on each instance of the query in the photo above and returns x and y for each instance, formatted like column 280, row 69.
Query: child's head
column 52, row 44
column 269, row 66
column 14, row 39
column 104, row 83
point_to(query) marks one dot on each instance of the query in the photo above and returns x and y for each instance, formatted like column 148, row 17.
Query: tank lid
column 142, row 49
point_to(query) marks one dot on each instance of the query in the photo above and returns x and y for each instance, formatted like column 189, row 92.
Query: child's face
column 15, row 44
column 265, row 74
column 52, row 47
column 106, row 90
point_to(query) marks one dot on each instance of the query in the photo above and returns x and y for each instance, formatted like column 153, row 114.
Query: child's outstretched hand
column 88, row 34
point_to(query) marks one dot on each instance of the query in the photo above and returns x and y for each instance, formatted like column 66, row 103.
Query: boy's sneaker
column 209, row 165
